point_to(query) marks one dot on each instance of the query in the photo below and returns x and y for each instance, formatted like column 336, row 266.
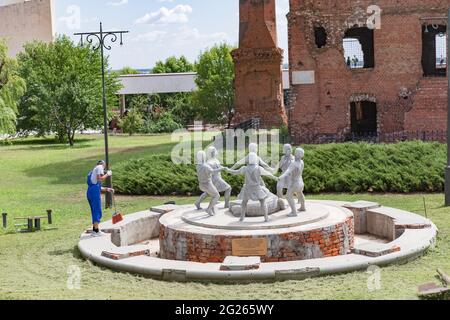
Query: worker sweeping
column 94, row 192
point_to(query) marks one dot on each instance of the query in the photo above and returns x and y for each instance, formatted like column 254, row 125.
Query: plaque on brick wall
column 303, row 77
column 248, row 247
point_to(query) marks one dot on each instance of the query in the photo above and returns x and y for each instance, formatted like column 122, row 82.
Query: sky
column 159, row 28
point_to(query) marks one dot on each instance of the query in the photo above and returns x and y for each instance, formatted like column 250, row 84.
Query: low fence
column 394, row 137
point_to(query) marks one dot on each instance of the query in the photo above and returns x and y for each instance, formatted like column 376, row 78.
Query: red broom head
column 117, row 218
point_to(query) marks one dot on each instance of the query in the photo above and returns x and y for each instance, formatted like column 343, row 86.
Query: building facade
column 22, row 21
column 358, row 70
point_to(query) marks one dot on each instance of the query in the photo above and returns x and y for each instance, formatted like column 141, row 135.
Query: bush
column 402, row 168
column 132, row 123
column 164, row 124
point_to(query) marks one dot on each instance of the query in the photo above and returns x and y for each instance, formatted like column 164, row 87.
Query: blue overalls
column 94, row 196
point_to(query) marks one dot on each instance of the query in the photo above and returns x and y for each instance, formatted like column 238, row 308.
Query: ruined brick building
column 401, row 85
column 258, row 60
column 353, row 74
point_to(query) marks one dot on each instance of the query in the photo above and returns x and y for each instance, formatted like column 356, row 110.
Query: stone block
column 164, row 208
column 121, row 256
column 232, row 263
column 375, row 249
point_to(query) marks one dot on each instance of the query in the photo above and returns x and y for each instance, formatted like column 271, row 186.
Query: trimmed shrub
column 362, row 167
column 164, row 124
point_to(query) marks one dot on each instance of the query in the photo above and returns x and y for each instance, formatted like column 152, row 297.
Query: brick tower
column 258, row 84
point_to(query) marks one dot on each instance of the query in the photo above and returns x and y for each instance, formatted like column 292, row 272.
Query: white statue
column 217, row 180
column 294, row 177
column 254, row 188
column 205, row 175
column 284, row 164
column 252, row 148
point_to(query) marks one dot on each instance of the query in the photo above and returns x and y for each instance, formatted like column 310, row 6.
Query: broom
column 117, row 216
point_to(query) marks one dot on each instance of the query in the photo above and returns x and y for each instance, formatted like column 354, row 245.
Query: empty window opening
column 364, row 118
column 321, row 36
column 359, row 48
column 434, row 50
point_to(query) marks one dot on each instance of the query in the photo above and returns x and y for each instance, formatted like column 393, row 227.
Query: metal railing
column 253, row 123
column 393, row 137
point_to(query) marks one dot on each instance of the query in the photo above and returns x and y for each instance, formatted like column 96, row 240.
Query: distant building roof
column 167, row 83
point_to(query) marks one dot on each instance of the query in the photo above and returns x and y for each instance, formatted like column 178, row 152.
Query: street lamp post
column 101, row 37
column 447, row 169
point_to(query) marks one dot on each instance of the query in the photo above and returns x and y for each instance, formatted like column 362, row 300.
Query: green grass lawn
column 36, row 175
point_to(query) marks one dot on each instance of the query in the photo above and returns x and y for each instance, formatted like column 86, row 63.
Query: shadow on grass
column 75, row 252
column 75, row 171
column 45, row 141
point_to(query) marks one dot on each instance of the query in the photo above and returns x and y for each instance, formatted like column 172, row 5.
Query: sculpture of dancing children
column 252, row 148
column 254, row 186
column 205, row 175
column 284, row 164
column 294, row 177
column 217, row 180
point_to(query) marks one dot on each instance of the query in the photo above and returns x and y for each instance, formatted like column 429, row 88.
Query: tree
column 215, row 81
column 178, row 104
column 126, row 71
column 173, row 65
column 64, row 92
column 12, row 87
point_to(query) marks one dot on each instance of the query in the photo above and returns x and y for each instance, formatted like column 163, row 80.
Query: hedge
column 352, row 167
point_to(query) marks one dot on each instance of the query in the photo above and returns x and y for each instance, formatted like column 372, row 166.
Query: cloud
column 118, row 3
column 152, row 36
column 183, row 37
column 178, row 14
column 187, row 35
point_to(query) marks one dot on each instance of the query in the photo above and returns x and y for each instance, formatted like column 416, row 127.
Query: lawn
column 37, row 175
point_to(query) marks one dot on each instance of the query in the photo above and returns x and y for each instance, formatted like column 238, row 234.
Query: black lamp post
column 447, row 169
column 101, row 37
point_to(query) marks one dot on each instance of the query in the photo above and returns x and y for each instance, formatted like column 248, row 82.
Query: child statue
column 254, row 188
column 294, row 177
column 284, row 164
column 252, row 148
column 205, row 175
column 217, row 180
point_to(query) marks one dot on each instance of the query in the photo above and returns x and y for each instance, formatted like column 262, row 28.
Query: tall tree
column 64, row 92
column 178, row 104
column 12, row 87
column 173, row 65
column 127, row 71
column 215, row 81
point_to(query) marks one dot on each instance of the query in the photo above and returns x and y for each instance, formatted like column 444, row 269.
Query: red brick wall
column 258, row 62
column 323, row 108
column 301, row 245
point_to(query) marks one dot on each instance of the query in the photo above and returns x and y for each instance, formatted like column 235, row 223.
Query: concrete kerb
column 413, row 243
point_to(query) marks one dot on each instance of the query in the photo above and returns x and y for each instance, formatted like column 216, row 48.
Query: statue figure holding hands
column 296, row 186
column 285, row 162
column 205, row 178
column 217, row 180
column 254, row 188
column 252, row 148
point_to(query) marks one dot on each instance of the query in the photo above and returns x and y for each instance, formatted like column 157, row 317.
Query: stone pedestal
column 193, row 235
